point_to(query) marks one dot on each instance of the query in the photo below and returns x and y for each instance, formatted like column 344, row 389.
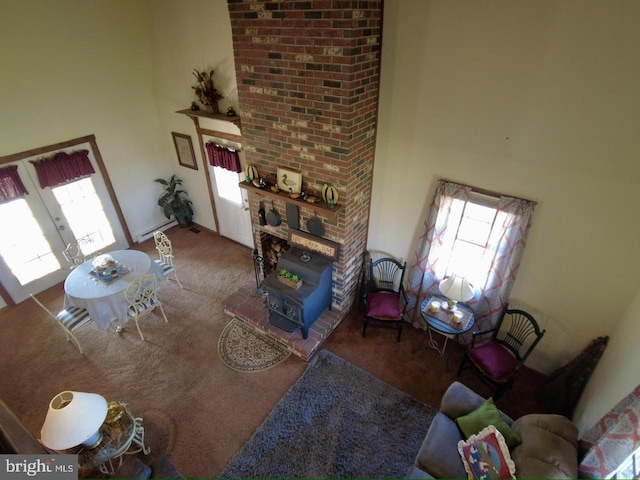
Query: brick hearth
column 249, row 307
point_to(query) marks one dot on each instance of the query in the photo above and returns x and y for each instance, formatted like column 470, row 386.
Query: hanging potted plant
column 174, row 202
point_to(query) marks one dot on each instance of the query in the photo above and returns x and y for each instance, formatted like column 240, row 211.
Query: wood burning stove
column 296, row 309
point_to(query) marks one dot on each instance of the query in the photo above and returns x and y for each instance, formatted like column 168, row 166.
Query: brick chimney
column 308, row 77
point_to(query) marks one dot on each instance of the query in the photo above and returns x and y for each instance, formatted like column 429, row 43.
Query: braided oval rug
column 244, row 349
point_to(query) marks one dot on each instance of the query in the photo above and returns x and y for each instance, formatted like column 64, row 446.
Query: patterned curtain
column 610, row 441
column 63, row 167
column 502, row 255
column 434, row 246
column 504, row 252
column 223, row 157
column 11, row 186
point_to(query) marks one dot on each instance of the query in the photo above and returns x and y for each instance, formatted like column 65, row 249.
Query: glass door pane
column 23, row 246
column 84, row 214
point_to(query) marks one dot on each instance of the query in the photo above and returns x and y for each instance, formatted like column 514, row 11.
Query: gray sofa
column 16, row 439
column 549, row 447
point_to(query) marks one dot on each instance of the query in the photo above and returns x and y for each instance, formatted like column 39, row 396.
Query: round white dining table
column 105, row 302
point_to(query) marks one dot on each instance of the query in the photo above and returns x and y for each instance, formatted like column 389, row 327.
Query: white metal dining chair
column 142, row 297
column 69, row 319
column 165, row 250
column 74, row 254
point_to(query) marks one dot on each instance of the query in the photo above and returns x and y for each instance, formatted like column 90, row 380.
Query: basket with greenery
column 289, row 279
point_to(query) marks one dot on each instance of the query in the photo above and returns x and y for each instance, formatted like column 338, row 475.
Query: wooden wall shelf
column 218, row 116
column 321, row 207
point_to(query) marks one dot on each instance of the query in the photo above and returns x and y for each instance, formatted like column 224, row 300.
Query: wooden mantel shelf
column 218, row 116
column 321, row 207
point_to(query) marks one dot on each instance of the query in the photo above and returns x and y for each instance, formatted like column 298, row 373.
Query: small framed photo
column 184, row 150
column 289, row 180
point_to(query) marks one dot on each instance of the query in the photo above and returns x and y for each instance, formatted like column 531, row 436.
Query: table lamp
column 74, row 418
column 456, row 289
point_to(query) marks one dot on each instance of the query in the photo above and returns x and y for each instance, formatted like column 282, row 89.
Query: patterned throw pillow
column 486, row 455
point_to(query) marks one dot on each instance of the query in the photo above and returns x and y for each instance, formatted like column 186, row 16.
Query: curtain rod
column 219, row 141
column 488, row 193
column 222, row 145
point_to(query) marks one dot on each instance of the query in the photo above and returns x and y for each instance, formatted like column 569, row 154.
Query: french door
column 37, row 228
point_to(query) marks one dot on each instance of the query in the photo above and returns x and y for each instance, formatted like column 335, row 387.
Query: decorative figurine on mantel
column 231, row 112
column 206, row 91
column 251, row 173
column 330, row 195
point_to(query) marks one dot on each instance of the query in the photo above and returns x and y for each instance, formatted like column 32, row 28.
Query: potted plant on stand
column 174, row 202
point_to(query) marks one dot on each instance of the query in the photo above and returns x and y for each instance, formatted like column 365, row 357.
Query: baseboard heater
column 162, row 227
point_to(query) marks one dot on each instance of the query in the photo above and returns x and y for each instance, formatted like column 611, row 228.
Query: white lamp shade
column 456, row 288
column 73, row 418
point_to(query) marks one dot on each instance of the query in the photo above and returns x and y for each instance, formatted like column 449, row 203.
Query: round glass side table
column 450, row 323
column 122, row 434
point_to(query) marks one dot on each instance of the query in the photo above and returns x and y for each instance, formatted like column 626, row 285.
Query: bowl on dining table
column 103, row 263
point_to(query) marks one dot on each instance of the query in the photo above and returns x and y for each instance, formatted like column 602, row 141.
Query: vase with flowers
column 206, row 92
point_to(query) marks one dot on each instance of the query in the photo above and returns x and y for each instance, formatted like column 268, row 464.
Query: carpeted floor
column 337, row 421
column 196, row 410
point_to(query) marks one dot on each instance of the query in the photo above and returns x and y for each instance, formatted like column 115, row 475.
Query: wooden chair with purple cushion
column 510, row 342
column 385, row 300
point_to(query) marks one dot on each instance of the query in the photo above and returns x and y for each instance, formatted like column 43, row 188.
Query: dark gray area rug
column 336, row 421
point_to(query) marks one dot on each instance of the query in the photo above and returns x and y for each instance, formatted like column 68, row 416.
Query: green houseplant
column 289, row 279
column 174, row 201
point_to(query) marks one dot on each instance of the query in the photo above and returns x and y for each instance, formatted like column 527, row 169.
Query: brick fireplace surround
column 308, row 77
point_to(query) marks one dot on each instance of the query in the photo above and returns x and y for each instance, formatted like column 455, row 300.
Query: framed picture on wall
column 184, row 150
column 289, row 180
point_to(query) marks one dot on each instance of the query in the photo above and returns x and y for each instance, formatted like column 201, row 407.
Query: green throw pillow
column 483, row 416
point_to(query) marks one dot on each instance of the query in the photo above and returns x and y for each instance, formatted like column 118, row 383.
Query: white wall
column 192, row 34
column 120, row 70
column 72, row 68
column 617, row 373
column 531, row 99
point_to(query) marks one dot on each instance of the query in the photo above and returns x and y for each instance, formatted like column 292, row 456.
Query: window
column 630, row 468
column 472, row 232
column 83, row 209
column 24, row 247
column 227, row 183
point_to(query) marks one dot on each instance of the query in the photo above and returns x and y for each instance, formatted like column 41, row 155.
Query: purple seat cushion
column 494, row 360
column 383, row 305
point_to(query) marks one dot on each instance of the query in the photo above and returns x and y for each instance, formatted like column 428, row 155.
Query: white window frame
column 467, row 237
